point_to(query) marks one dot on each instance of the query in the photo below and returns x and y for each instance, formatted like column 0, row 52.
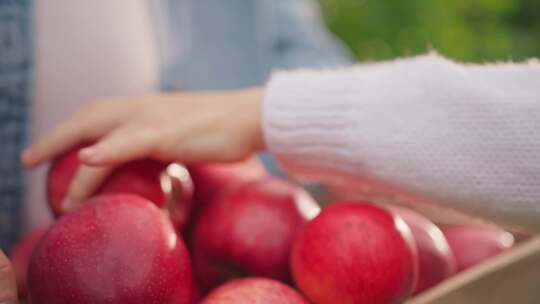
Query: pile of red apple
column 251, row 238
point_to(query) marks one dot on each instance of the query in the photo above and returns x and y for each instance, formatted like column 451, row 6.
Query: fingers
column 8, row 287
column 90, row 123
column 122, row 145
column 86, row 182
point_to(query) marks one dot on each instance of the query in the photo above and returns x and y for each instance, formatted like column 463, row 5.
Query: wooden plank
column 512, row 277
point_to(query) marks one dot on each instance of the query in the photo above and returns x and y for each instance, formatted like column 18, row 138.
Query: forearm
column 424, row 126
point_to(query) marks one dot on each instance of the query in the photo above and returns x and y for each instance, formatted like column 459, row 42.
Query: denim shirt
column 15, row 59
column 212, row 44
column 204, row 45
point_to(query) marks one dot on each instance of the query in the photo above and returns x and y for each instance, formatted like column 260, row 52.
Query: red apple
column 197, row 293
column 436, row 260
column 355, row 253
column 254, row 290
column 165, row 185
column 20, row 257
column 472, row 245
column 116, row 248
column 211, row 178
column 250, row 231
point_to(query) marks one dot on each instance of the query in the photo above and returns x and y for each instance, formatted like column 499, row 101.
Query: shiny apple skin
column 473, row 245
column 115, row 249
column 436, row 260
column 250, row 232
column 254, row 290
column 355, row 253
column 210, row 179
column 142, row 177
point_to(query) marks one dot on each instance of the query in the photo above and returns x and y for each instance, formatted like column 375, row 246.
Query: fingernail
column 67, row 205
column 88, row 154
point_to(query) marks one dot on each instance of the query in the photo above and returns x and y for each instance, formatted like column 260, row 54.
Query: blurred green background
column 465, row 30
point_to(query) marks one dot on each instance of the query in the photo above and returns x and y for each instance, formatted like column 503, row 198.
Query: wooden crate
column 510, row 278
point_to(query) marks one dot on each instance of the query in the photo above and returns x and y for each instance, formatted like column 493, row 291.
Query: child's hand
column 171, row 127
column 8, row 287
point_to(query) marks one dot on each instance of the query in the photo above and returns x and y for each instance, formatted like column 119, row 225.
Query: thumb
column 86, row 181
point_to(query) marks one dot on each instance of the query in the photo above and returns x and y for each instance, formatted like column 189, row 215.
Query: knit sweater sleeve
column 467, row 136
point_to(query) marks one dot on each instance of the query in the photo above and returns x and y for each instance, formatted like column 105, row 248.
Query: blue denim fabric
column 212, row 44
column 15, row 66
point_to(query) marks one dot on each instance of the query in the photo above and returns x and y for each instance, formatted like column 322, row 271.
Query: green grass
column 466, row 30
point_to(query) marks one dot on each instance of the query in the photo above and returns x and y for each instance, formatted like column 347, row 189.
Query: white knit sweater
column 467, row 136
